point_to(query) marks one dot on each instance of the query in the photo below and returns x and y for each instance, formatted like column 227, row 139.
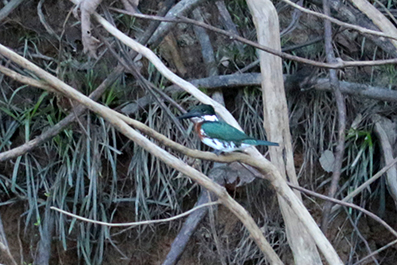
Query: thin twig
column 294, row 21
column 4, row 248
column 377, row 18
column 376, row 252
column 189, row 227
column 78, row 110
column 346, row 204
column 78, row 217
column 56, row 129
column 115, row 120
column 339, row 64
column 8, row 8
column 265, row 167
column 327, row 17
column 359, row 234
column 366, row 184
column 181, row 8
column 25, row 80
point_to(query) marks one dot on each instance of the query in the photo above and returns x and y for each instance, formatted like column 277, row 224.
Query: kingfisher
column 218, row 134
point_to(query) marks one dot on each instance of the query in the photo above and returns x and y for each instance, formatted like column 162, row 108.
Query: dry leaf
column 327, row 161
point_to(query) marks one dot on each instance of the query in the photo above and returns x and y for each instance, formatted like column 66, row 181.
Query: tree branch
column 114, row 118
column 327, row 17
column 56, row 129
column 339, row 64
column 148, row 222
column 346, row 204
column 254, row 158
column 341, row 107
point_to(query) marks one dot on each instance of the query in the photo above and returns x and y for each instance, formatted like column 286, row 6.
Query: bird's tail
column 259, row 142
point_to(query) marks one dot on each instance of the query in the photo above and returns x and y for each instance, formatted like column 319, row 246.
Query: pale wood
column 254, row 158
column 119, row 122
column 269, row 171
column 277, row 126
column 377, row 18
column 385, row 129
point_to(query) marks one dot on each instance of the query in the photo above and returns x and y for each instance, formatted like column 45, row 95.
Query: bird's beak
column 190, row 114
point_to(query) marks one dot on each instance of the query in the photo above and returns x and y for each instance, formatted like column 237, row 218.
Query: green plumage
column 226, row 132
column 220, row 135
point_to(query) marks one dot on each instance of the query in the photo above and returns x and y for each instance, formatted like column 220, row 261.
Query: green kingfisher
column 218, row 134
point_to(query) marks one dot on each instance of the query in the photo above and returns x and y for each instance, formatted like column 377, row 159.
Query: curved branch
column 255, row 159
column 340, row 23
column 148, row 222
column 203, row 155
column 114, row 119
column 56, row 129
column 347, row 204
column 339, row 64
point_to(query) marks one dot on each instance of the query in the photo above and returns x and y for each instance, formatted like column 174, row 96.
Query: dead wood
column 377, row 18
column 181, row 8
column 293, row 84
column 348, row 13
column 208, row 53
column 56, row 129
column 337, row 65
column 294, row 21
column 386, row 131
column 228, row 23
column 341, row 109
column 90, row 43
column 79, row 109
column 119, row 121
column 277, row 127
column 8, row 8
column 350, row 205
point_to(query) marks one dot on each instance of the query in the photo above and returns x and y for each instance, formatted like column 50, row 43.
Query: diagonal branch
column 377, row 18
column 327, row 17
column 205, row 155
column 254, row 158
column 339, row 64
column 114, row 119
column 265, row 167
column 56, row 129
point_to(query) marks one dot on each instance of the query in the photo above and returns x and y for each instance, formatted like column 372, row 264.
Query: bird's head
column 200, row 112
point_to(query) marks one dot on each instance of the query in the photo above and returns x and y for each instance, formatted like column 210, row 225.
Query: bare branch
column 376, row 252
column 8, row 8
column 340, row 23
column 56, row 129
column 114, row 118
column 78, row 217
column 346, row 204
column 377, row 18
column 366, row 184
column 339, row 64
column 276, row 124
column 341, row 107
column 254, row 158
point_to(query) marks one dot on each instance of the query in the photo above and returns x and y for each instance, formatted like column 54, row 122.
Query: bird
column 217, row 134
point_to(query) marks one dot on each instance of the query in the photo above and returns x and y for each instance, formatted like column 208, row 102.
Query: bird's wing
column 224, row 131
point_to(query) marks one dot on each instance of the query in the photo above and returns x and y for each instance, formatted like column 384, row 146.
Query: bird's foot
column 217, row 152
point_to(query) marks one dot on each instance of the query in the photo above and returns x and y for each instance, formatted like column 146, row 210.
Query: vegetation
column 90, row 169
